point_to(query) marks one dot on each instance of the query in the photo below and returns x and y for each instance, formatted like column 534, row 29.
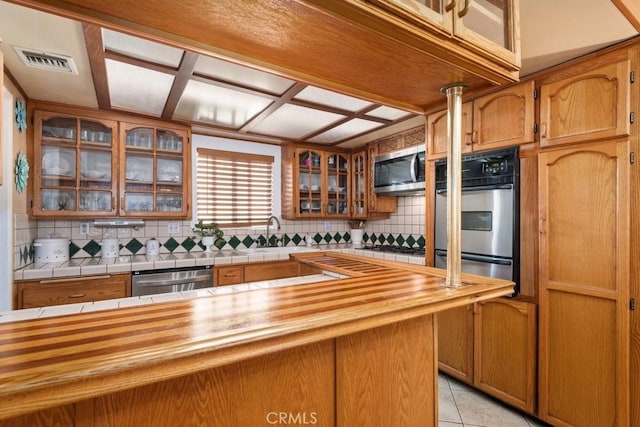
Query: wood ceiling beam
column 95, row 52
column 185, row 72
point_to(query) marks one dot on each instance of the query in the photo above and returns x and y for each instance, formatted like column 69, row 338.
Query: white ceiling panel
column 388, row 113
column 141, row 48
column 331, row 99
column 345, row 130
column 136, row 88
column 39, row 31
column 292, row 121
column 248, row 77
column 208, row 103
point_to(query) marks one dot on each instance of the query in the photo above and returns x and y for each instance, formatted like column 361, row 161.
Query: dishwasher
column 150, row 282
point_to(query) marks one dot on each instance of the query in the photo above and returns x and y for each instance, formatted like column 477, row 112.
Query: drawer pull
column 230, row 274
column 77, row 295
column 75, row 279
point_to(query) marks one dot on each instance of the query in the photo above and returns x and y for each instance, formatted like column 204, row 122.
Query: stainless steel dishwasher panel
column 151, row 282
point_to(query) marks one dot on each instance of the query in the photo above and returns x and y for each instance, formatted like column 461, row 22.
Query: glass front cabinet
column 359, row 184
column 322, row 184
column 74, row 167
column 152, row 174
column 486, row 27
column 90, row 167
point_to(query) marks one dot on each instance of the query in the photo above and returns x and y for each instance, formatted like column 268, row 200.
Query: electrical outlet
column 327, row 226
column 84, row 228
column 173, row 228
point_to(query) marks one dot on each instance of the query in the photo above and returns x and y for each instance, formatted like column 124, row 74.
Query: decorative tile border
column 90, row 248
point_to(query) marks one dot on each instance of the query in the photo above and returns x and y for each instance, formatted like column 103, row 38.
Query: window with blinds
column 233, row 189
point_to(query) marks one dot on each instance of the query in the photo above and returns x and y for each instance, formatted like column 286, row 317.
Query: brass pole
column 454, row 180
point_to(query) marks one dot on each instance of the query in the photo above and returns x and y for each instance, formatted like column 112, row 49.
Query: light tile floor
column 462, row 405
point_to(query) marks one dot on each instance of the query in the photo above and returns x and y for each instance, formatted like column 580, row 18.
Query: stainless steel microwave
column 400, row 172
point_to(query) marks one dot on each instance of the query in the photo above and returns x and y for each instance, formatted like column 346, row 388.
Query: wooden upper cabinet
column 90, row 167
column 315, row 183
column 154, row 171
column 359, row 184
column 75, row 166
column 437, row 132
column 585, row 107
column 485, row 27
column 504, row 118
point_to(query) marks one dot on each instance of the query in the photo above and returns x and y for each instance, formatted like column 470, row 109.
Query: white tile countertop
column 123, row 264
column 97, row 265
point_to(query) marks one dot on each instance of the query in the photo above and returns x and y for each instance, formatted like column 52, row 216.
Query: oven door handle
column 478, row 258
column 480, row 188
column 153, row 283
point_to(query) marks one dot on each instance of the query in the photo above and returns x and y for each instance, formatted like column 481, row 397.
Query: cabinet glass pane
column 169, row 203
column 139, row 168
column 169, row 170
column 487, row 18
column 95, row 132
column 58, row 162
column 140, row 138
column 95, row 201
column 138, row 202
column 60, row 128
column 95, row 166
column 58, row 200
column 169, row 141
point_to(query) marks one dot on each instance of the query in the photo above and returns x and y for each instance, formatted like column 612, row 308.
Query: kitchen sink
column 277, row 250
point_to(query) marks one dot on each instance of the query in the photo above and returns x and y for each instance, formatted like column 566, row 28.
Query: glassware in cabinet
column 154, row 171
column 337, row 184
column 309, row 182
column 359, row 184
column 74, row 157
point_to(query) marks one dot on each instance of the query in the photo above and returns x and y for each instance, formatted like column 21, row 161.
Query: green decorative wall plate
column 21, row 116
column 22, row 172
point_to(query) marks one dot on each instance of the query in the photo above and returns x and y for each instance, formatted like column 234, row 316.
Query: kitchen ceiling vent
column 46, row 61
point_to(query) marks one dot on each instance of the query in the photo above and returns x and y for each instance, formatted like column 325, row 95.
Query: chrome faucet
column 271, row 218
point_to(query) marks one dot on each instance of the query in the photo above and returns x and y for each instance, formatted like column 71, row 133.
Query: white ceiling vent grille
column 46, row 61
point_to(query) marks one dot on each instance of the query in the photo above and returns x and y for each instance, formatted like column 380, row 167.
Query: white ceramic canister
column 51, row 249
column 110, row 248
column 153, row 247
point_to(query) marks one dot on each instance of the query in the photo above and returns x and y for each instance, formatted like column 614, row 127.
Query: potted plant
column 210, row 234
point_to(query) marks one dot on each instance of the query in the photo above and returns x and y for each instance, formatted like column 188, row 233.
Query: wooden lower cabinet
column 48, row 292
column 584, row 310
column 256, row 271
column 504, row 353
column 492, row 346
column 455, row 342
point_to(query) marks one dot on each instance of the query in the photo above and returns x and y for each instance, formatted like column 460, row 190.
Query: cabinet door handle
column 465, row 9
column 469, row 138
column 474, row 137
column 76, row 295
column 122, row 207
column 451, row 5
column 543, row 134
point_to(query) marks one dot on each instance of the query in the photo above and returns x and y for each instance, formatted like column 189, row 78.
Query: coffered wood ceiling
column 277, row 58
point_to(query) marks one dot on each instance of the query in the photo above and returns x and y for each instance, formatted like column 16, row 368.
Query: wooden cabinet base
column 381, row 376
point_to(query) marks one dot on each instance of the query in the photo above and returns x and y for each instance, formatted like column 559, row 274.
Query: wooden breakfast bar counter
column 359, row 351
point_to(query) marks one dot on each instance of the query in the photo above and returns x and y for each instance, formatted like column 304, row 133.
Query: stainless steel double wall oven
column 490, row 214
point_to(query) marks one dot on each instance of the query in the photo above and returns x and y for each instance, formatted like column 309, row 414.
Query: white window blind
column 233, row 189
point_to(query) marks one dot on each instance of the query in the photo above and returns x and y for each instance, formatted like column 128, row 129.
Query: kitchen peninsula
column 355, row 351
